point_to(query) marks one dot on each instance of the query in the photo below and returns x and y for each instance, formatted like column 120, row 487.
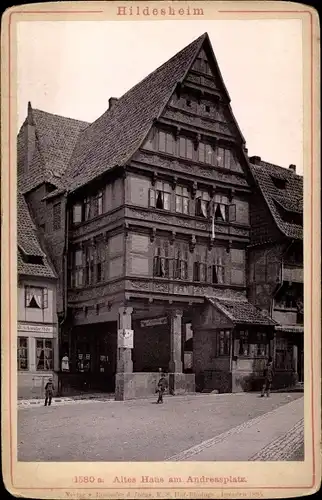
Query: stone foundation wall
column 138, row 385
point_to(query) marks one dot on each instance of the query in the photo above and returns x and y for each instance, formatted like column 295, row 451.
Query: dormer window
column 278, row 182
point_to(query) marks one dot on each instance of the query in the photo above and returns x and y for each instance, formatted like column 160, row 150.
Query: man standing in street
column 162, row 385
column 268, row 374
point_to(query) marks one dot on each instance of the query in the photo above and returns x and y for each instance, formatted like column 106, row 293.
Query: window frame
column 44, row 349
column 182, row 200
column 26, row 357
column 223, row 341
column 164, row 193
column 204, row 197
column 161, row 260
column 44, row 297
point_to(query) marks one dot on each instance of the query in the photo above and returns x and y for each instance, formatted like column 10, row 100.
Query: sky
column 73, row 68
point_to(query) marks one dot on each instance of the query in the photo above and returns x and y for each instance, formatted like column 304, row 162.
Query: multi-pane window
column 77, row 269
column 237, row 257
column 97, row 204
column 218, row 267
column 223, row 343
column 180, row 265
column 283, row 354
column 220, row 208
column 100, row 261
column 261, row 344
column 77, row 213
column 87, row 209
column 89, row 265
column 182, row 200
column 22, row 353
column 206, row 153
column 44, row 354
column 36, row 297
column 243, row 343
column 224, row 158
column 167, row 143
column 202, row 204
column 161, row 261
column 200, row 264
column 57, row 216
column 186, row 148
column 160, row 195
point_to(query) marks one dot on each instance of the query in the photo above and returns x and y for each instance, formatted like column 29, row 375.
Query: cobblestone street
column 200, row 427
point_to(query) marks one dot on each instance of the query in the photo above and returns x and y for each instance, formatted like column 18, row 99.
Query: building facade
column 276, row 273
column 37, row 329
column 146, row 217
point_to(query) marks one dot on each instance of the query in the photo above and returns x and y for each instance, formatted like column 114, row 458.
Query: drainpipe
column 65, row 265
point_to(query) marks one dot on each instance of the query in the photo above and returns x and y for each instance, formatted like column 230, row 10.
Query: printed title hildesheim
column 147, row 11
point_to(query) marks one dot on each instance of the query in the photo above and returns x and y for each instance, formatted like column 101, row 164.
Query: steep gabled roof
column 114, row 137
column 32, row 260
column 56, row 137
column 285, row 201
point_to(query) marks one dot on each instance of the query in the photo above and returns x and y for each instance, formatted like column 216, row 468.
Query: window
column 188, row 102
column 86, row 209
column 97, row 204
column 218, row 268
column 166, row 142
column 283, row 354
column 57, row 216
column 206, row 153
column 224, row 158
column 161, row 259
column 22, row 353
column 36, row 297
column 151, row 141
column 238, row 264
column 160, row 196
column 180, row 268
column 77, row 269
column 182, row 200
column 100, row 261
column 202, row 204
column 221, row 208
column 278, row 182
column 44, row 354
column 207, row 109
column 243, row 343
column 89, row 265
column 200, row 265
column 186, row 148
column 223, row 343
column 77, row 213
column 261, row 345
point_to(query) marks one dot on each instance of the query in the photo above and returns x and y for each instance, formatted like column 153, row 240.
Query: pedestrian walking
column 162, row 385
column 268, row 374
column 49, row 391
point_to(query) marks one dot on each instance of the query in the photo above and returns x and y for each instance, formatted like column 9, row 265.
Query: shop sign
column 35, row 328
column 125, row 338
column 154, row 322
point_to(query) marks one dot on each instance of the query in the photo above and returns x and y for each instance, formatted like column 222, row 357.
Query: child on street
column 162, row 385
column 49, row 391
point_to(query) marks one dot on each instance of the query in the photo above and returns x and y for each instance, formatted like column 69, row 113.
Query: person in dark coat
column 49, row 391
column 268, row 374
column 162, row 385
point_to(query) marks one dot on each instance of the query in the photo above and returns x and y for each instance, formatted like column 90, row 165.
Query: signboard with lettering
column 154, row 321
column 22, row 327
column 125, row 338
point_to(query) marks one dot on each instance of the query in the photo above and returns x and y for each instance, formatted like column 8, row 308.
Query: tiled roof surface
column 289, row 199
column 241, row 312
column 114, row 137
column 28, row 243
column 56, row 137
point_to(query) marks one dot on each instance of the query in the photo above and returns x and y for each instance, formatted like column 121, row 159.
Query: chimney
column 29, row 138
column 255, row 159
column 111, row 102
column 293, row 168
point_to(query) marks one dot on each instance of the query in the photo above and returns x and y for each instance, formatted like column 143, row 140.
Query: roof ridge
column 56, row 115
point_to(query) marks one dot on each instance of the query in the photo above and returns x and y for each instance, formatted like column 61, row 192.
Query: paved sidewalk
column 274, row 436
column 84, row 398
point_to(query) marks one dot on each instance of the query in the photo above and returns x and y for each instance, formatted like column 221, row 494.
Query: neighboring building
column 145, row 214
column 276, row 262
column 37, row 341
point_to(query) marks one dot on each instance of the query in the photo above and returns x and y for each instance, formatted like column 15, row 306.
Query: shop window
column 44, row 354
column 182, row 200
column 160, row 196
column 180, row 268
column 57, row 216
column 36, row 297
column 223, row 343
column 22, row 353
column 202, row 204
column 161, row 260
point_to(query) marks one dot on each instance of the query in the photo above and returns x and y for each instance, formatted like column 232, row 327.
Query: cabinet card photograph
column 160, row 250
